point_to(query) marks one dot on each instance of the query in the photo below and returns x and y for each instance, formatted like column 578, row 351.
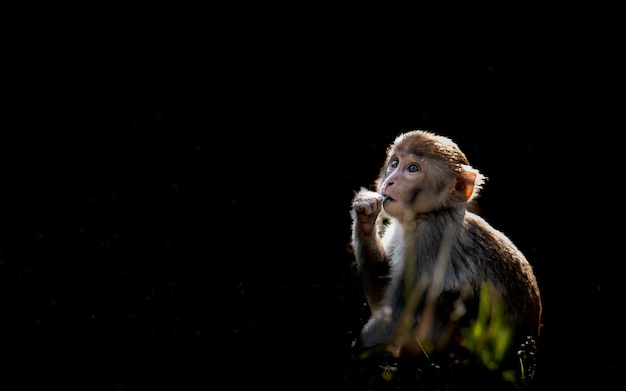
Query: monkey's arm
column 372, row 262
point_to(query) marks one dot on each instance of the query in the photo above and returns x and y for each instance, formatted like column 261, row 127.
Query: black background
column 175, row 193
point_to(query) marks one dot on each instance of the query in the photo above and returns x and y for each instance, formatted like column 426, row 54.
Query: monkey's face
column 413, row 185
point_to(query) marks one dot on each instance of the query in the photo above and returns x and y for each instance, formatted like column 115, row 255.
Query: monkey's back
column 502, row 264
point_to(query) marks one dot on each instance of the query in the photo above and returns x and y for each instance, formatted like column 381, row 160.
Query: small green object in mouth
column 385, row 198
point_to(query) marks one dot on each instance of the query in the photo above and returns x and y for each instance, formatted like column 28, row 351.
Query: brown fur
column 424, row 258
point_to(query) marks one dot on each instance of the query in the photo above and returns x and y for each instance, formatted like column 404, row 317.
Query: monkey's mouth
column 386, row 198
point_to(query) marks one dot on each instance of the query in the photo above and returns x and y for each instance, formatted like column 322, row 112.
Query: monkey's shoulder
column 478, row 228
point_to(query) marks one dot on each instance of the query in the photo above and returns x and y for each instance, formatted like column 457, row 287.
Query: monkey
column 425, row 259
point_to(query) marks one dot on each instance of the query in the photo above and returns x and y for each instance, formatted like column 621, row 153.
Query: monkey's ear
column 468, row 184
column 464, row 186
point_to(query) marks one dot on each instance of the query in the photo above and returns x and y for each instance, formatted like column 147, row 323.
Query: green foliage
column 489, row 336
column 488, row 359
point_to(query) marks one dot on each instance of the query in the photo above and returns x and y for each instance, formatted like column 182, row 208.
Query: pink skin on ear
column 464, row 186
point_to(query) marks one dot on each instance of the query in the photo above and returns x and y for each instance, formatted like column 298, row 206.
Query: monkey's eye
column 394, row 164
column 413, row 168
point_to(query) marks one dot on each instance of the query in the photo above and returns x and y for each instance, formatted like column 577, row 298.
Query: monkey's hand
column 366, row 206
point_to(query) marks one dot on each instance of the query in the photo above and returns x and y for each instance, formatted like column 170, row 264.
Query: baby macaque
column 424, row 258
